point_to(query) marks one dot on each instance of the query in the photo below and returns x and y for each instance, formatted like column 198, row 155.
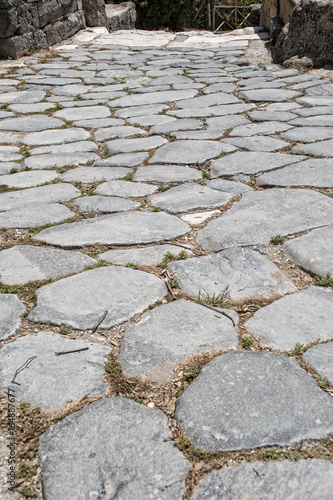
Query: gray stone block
column 190, row 152
column 38, row 195
column 11, row 310
column 142, row 256
column 35, row 215
column 320, row 360
column 104, row 205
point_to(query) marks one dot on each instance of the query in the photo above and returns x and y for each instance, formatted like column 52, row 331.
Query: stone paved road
column 144, row 177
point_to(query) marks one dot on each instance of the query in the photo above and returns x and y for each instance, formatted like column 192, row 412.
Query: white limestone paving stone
column 23, row 263
column 104, row 204
column 83, row 113
column 299, row 318
column 35, row 215
column 71, row 147
column 101, row 456
column 228, row 186
column 321, row 148
column 169, row 334
column 38, row 162
column 143, row 256
column 121, row 291
column 9, row 153
column 50, row 381
column 308, row 134
column 152, row 98
column 258, row 143
column 125, row 189
column 270, row 95
column 134, row 145
column 7, row 166
column 261, row 215
column 38, row 195
column 207, row 101
column 11, row 310
column 229, row 109
column 22, row 97
column 175, row 125
column 313, row 251
column 320, row 360
column 266, row 128
column 269, row 481
column 189, row 197
column 30, row 123
column 8, row 137
column 118, row 132
column 166, row 174
column 94, row 174
column 127, row 228
column 55, row 136
column 28, row 179
column 242, row 272
column 247, row 400
column 122, row 160
column 190, row 152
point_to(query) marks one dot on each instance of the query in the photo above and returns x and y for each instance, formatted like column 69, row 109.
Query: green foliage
column 173, row 14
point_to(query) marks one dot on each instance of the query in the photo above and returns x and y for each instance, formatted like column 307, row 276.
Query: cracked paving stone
column 250, row 163
column 11, row 310
column 242, row 272
column 55, row 136
column 101, row 459
column 37, row 195
column 269, row 481
column 42, row 213
column 190, row 152
column 169, row 334
column 258, row 143
column 127, row 228
column 89, row 175
column 271, row 95
column 260, row 215
column 104, row 205
column 38, row 162
column 84, row 113
column 165, row 174
column 271, row 127
column 9, row 153
column 320, row 360
column 143, row 256
column 189, row 197
column 24, row 263
column 28, row 179
column 299, row 318
column 137, row 111
column 313, row 173
column 50, row 380
column 121, row 291
column 118, row 132
column 133, row 145
column 30, row 123
column 276, row 403
column 150, row 120
column 125, row 189
column 322, row 148
column 313, row 251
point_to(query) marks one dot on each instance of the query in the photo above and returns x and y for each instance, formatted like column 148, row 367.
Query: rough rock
column 320, row 360
column 36, row 215
column 104, row 205
column 165, row 174
column 190, row 152
column 121, row 16
column 38, row 195
column 125, row 189
column 95, row 12
column 11, row 310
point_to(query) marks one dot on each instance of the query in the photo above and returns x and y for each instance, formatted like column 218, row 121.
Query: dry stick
column 69, row 352
column 21, row 368
column 216, row 310
column 94, row 328
column 169, row 288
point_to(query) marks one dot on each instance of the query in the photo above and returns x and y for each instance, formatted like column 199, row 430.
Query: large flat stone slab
column 35, row 215
column 261, row 215
column 11, row 310
column 266, row 128
column 122, row 160
column 190, row 152
column 94, row 174
column 104, row 205
column 302, row 479
column 244, row 272
column 249, row 400
column 143, row 256
column 164, row 174
column 299, row 318
column 207, row 101
column 152, row 98
column 169, row 334
column 128, row 228
column 229, row 109
column 308, row 134
column 28, row 179
column 118, row 132
column 40, row 161
column 313, row 173
column 101, row 461
column 125, row 189
column 313, row 251
column 258, row 143
column 321, row 148
column 55, row 136
column 23, row 97
column 270, row 95
column 30, row 123
column 189, row 197
column 51, row 380
column 134, row 145
column 37, row 195
column 84, row 113
column 24, row 263
column 250, row 163
column 228, row 186
column 320, row 360
column 121, row 291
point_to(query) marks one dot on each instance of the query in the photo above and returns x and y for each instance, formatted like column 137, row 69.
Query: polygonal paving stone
column 260, row 215
column 101, row 461
column 150, row 109
column 267, row 128
column 207, row 101
column 8, row 137
column 104, row 205
column 316, row 101
column 28, row 179
column 84, row 113
column 313, row 251
column 265, row 116
column 37, row 195
column 11, row 310
column 94, row 174
column 56, row 136
column 122, row 160
column 271, row 95
column 133, row 145
column 250, row 163
column 71, row 147
column 35, row 215
column 322, row 148
column 38, row 162
column 7, row 166
column 190, row 152
column 169, row 334
column 315, row 111
column 98, row 122
column 153, row 98
column 320, row 360
column 24, row 263
column 51, row 381
column 313, row 173
column 24, row 97
column 30, row 123
column 167, row 128
column 313, row 121
column 299, row 318
column 228, row 186
column 229, row 109
column 269, row 481
column 150, row 120
column 125, row 189
column 308, row 134
column 166, row 174
column 118, row 132
column 189, row 197
column 122, row 292
column 258, row 143
column 9, row 153
column 130, row 228
column 242, row 272
column 246, row 400
column 227, row 122
column 143, row 256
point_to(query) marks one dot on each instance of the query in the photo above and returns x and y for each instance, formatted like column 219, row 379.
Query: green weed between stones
column 216, row 300
column 131, row 265
column 26, row 292
column 324, row 280
column 164, row 187
column 277, row 240
column 156, row 209
column 169, row 257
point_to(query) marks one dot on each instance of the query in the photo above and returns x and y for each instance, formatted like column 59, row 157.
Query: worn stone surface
column 104, row 205
column 292, row 480
column 37, row 195
column 321, row 148
column 125, row 189
column 108, row 451
column 134, row 145
column 320, row 360
column 11, row 310
column 97, row 174
column 57, row 136
column 313, row 251
column 122, row 292
column 164, row 174
column 52, row 380
column 299, row 318
column 257, row 143
column 30, row 123
column 190, row 152
column 308, row 134
column 228, row 186
column 24, row 263
column 28, row 179
column 143, row 256
column 32, row 215
column 314, row 173
column 276, row 403
column 155, row 345
column 271, row 95
column 240, row 272
column 259, row 216
column 40, row 161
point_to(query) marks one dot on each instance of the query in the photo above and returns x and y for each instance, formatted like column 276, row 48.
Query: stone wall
column 276, row 8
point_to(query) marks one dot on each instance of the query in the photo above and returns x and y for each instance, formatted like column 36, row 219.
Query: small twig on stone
column 21, row 368
column 169, row 288
column 94, row 328
column 216, row 310
column 70, row 352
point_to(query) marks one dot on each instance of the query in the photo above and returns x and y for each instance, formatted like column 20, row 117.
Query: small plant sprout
column 156, row 209
column 132, row 265
column 192, row 373
column 163, row 187
column 113, row 367
column 323, row 382
column 182, row 255
column 277, row 240
column 324, row 280
column 216, row 300
column 298, row 349
column 247, row 342
column 205, row 175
